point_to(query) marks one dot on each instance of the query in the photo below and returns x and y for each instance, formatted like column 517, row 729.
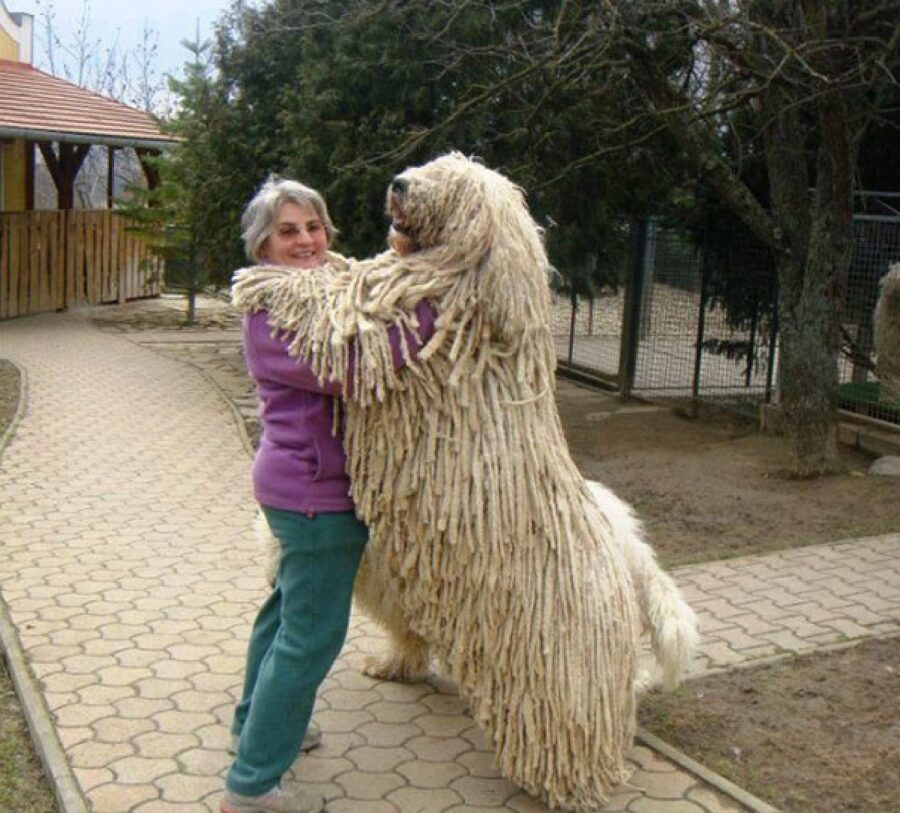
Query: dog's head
column 462, row 214
column 440, row 203
column 454, row 200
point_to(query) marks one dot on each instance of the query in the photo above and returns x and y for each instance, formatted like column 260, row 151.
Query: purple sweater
column 300, row 465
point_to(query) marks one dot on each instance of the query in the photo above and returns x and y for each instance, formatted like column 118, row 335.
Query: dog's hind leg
column 408, row 656
column 407, row 661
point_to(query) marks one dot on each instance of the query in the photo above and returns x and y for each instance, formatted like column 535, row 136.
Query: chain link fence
column 697, row 320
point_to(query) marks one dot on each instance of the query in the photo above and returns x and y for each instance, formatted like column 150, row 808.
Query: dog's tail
column 268, row 547
column 667, row 617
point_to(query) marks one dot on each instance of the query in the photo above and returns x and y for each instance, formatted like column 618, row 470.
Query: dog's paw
column 394, row 668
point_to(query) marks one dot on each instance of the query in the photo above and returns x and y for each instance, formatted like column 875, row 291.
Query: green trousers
column 296, row 638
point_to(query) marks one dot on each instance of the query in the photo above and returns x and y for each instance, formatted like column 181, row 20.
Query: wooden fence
column 54, row 259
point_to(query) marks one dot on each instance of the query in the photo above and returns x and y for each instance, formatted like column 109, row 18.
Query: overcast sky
column 122, row 21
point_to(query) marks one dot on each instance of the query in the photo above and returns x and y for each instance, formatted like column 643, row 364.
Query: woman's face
column 298, row 238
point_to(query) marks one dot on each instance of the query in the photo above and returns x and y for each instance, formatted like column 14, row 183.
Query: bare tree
column 815, row 73
column 128, row 76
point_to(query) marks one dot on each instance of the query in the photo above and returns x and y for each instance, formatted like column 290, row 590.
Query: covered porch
column 51, row 259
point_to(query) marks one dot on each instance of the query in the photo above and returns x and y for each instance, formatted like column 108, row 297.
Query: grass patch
column 23, row 786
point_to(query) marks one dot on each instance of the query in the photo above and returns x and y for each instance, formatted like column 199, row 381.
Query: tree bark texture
column 808, row 369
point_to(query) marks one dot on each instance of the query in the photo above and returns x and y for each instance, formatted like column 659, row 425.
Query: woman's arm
column 268, row 356
column 425, row 317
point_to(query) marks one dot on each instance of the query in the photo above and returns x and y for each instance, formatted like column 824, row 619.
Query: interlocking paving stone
column 646, row 805
column 132, row 575
column 484, row 791
column 376, row 760
column 435, row 774
column 114, row 798
column 369, row 785
column 413, row 800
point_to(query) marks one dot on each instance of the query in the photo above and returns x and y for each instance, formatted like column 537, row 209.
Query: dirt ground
column 714, row 487
column 817, row 734
column 810, row 735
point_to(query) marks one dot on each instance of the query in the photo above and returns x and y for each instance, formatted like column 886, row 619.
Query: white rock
column 887, row 466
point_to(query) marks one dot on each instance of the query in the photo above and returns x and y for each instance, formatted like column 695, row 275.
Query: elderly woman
column 300, row 482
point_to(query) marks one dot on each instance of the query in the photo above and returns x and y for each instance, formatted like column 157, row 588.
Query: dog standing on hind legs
column 486, row 546
column 666, row 618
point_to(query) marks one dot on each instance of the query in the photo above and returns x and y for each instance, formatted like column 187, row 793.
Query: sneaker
column 277, row 800
column 311, row 739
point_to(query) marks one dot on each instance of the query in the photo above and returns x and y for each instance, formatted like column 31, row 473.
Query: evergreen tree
column 180, row 217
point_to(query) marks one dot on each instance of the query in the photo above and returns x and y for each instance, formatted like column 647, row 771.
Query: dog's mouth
column 402, row 237
column 399, row 221
column 399, row 224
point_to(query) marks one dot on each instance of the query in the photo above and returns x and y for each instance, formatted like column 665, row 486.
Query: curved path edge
column 37, row 716
column 34, row 708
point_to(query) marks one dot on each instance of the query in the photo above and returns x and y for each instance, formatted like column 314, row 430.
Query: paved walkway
column 131, row 578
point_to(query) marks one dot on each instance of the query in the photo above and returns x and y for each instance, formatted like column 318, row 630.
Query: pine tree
column 178, row 216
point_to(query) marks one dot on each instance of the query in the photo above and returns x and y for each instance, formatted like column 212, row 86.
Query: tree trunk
column 810, row 304
column 808, row 266
column 809, row 371
column 191, row 313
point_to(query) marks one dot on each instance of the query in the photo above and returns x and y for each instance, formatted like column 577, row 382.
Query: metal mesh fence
column 876, row 246
column 686, row 341
column 666, row 328
column 588, row 332
column 699, row 334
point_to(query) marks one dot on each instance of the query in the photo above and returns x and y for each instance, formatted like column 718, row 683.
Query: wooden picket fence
column 51, row 260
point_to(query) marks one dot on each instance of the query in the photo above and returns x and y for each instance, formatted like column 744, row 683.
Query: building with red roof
column 49, row 260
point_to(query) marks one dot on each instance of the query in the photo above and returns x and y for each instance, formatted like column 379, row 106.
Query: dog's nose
column 399, row 186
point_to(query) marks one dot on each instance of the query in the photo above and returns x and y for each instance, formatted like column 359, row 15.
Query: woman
column 300, row 482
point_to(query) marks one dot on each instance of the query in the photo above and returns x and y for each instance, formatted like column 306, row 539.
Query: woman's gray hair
column 258, row 220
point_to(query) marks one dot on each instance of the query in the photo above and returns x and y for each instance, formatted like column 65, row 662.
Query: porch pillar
column 151, row 173
column 64, row 169
column 110, row 176
column 29, row 176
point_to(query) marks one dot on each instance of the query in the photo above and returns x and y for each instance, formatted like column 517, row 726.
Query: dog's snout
column 399, row 186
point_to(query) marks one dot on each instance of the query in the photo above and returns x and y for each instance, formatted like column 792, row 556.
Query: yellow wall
column 9, row 48
column 13, row 156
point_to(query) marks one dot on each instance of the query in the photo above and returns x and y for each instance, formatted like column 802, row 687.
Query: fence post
column 573, row 300
column 701, row 332
column 773, row 342
column 751, row 353
column 631, row 317
column 648, row 275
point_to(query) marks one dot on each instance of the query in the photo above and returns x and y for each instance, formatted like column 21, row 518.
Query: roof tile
column 36, row 101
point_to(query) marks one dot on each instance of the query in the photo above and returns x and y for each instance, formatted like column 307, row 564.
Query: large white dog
column 487, row 548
